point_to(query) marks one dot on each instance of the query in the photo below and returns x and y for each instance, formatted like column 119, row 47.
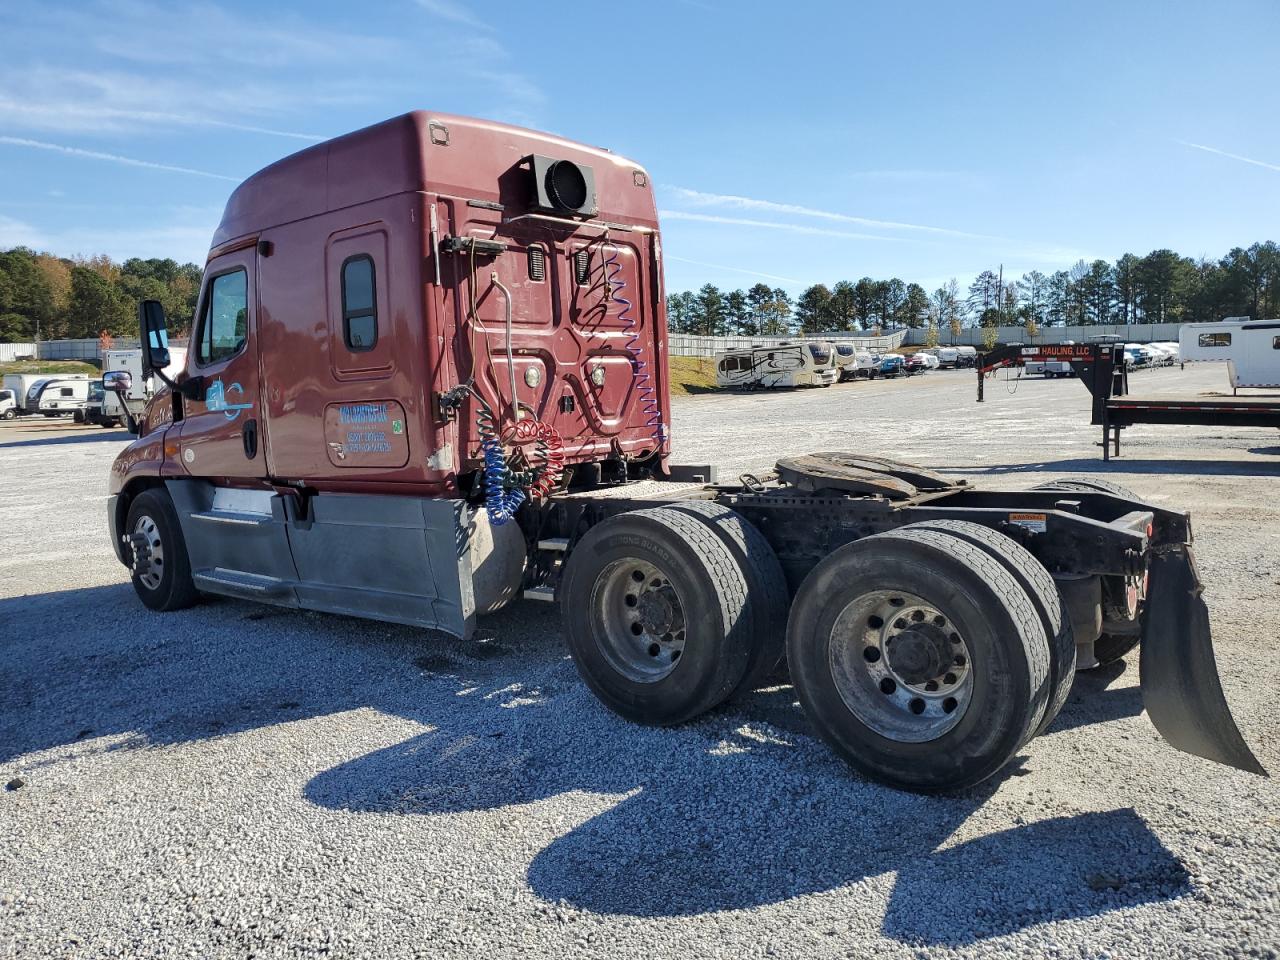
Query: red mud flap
column 1180, row 685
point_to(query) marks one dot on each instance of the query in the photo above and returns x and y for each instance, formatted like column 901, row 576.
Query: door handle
column 249, row 434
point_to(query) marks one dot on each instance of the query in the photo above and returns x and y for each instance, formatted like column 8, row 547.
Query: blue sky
column 794, row 143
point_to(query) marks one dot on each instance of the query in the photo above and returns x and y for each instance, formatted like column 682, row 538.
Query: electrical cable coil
column 639, row 366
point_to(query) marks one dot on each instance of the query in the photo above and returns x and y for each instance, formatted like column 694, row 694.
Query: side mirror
column 117, row 381
column 153, row 335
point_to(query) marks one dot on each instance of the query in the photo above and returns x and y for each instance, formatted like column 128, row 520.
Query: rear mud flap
column 1180, row 685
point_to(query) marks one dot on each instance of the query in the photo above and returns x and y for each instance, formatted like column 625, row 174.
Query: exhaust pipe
column 1180, row 685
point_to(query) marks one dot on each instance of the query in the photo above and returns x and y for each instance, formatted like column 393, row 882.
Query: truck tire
column 162, row 579
column 632, row 587
column 9, row 414
column 952, row 705
column 1109, row 647
column 767, row 592
column 1040, row 587
column 1088, row 483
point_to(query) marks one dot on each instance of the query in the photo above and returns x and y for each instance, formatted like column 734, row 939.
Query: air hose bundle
column 536, row 444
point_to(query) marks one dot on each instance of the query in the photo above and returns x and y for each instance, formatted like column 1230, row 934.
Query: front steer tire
column 167, row 585
column 656, row 614
column 947, row 579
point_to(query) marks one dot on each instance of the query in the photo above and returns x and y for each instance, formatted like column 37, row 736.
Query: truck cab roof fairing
column 406, row 154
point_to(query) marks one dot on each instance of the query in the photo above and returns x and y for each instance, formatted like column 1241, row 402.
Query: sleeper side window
column 359, row 303
column 224, row 325
column 1275, row 343
column 1215, row 339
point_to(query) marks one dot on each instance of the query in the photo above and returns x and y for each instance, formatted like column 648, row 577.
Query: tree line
column 56, row 297
column 1162, row 287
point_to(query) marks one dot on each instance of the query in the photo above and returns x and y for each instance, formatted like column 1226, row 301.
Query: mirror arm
column 192, row 388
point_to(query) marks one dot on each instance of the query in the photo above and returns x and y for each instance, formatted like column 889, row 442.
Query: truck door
column 221, row 434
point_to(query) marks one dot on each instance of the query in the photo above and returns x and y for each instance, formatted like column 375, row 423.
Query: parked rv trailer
column 785, row 365
column 1251, row 349
column 21, row 384
column 58, row 396
column 854, row 362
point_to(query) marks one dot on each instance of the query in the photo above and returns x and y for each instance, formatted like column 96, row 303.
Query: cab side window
column 359, row 303
column 224, row 325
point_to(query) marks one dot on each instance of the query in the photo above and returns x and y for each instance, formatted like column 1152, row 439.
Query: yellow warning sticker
column 1035, row 522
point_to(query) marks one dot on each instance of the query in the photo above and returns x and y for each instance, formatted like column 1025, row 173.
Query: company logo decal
column 215, row 399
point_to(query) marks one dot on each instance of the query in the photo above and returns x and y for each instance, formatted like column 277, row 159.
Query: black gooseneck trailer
column 1102, row 369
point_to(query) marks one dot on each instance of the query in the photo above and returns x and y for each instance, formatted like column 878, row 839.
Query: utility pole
column 1000, row 299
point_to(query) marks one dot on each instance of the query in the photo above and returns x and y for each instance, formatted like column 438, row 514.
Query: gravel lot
column 235, row 780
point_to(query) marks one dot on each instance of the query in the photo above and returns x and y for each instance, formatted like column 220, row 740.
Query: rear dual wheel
column 920, row 658
column 670, row 611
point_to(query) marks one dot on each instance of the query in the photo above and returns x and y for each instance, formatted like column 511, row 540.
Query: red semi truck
column 428, row 376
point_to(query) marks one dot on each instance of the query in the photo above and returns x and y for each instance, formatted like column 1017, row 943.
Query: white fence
column 688, row 345
column 86, row 350
column 1133, row 332
column 17, row 351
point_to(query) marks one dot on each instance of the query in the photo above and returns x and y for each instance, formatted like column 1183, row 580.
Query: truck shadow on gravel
column 119, row 436
column 744, row 809
column 741, row 809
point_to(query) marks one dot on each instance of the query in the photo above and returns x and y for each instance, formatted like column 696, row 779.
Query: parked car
column 931, row 359
column 1137, row 356
column 892, row 364
column 915, row 363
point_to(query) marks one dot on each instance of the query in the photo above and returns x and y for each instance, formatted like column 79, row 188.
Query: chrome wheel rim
column 640, row 620
column 901, row 666
column 148, row 569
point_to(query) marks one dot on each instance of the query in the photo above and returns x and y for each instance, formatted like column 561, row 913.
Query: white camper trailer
column 59, row 396
column 21, row 384
column 784, row 365
column 854, row 362
column 1250, row 347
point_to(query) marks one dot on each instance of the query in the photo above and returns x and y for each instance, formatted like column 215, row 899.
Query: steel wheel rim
column 640, row 620
column 883, row 651
column 151, row 571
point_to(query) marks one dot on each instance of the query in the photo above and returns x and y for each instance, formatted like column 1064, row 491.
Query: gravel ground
column 235, row 780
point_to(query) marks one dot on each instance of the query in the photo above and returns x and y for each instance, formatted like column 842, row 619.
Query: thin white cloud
column 454, row 13
column 721, row 266
column 772, row 225
column 16, row 233
column 62, row 115
column 701, row 198
column 1230, row 156
column 112, row 158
